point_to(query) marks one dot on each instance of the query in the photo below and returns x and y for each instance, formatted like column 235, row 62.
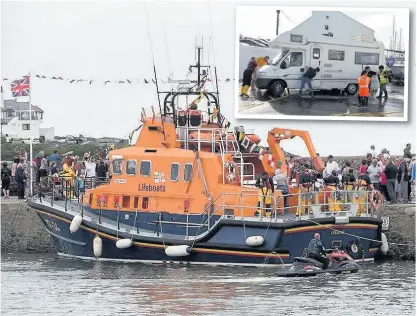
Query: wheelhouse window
column 117, row 166
column 131, row 167
column 188, row 172
column 175, row 171
column 336, row 55
column 296, row 38
column 145, row 168
column 25, row 127
column 366, row 58
column 316, row 53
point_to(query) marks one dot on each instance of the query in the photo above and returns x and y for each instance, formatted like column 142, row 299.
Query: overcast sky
column 381, row 21
column 109, row 41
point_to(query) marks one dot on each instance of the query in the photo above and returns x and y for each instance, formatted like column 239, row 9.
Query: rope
column 344, row 233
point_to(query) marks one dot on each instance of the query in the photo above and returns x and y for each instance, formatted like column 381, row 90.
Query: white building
column 15, row 122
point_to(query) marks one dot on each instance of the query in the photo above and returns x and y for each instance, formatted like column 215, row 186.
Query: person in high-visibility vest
column 266, row 189
column 363, row 83
column 383, row 78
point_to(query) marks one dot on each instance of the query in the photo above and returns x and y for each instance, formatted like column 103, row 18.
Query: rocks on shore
column 402, row 230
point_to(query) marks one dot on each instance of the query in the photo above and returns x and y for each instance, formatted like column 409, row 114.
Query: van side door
column 316, row 61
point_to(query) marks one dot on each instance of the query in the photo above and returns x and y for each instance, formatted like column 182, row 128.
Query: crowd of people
column 53, row 166
column 393, row 177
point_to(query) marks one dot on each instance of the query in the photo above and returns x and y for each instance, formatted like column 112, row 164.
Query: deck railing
column 334, row 203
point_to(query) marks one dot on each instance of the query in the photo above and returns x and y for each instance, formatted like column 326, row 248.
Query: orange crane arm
column 274, row 138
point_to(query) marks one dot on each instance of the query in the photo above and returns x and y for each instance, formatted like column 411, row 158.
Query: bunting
column 90, row 81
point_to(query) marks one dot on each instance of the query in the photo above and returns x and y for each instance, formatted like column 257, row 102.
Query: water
column 48, row 285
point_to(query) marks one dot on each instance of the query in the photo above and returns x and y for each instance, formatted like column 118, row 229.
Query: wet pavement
column 326, row 104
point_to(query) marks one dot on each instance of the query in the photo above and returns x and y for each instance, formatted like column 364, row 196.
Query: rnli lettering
column 151, row 188
column 337, row 232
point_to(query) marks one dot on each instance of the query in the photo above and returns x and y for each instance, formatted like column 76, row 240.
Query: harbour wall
column 23, row 231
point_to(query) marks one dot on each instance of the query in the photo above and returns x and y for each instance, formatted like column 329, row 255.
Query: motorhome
column 340, row 61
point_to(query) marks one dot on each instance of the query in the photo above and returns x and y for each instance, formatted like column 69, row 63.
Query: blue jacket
column 413, row 172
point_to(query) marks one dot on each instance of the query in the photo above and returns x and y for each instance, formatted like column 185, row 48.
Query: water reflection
column 46, row 285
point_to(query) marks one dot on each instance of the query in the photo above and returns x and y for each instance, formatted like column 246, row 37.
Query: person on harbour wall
column 363, row 83
column 266, row 189
column 317, row 252
column 413, row 180
column 372, row 151
column 383, row 81
column 330, row 166
column 407, row 151
column 20, row 179
column 6, row 174
column 391, row 171
column 374, row 172
column 403, row 179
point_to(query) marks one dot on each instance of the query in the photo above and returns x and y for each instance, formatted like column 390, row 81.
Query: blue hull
column 225, row 243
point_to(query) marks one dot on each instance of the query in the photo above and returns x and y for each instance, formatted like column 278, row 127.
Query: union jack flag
column 21, row 87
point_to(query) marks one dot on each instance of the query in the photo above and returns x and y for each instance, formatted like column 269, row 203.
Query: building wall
column 339, row 24
column 14, row 129
column 246, row 52
column 48, row 132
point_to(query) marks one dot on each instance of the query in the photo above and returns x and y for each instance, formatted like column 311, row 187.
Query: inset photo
column 321, row 63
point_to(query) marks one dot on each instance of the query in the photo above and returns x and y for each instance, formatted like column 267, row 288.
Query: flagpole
column 30, row 138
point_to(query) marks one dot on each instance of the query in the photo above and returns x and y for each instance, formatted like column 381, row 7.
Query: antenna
column 278, row 12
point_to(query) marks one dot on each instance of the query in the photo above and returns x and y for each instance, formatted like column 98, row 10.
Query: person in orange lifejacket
column 363, row 83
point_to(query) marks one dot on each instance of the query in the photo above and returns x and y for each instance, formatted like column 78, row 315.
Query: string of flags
column 120, row 81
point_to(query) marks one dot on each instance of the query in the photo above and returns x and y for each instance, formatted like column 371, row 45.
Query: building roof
column 19, row 106
column 330, row 12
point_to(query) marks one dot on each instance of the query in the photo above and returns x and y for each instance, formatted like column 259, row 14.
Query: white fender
column 254, row 241
column 124, row 243
column 97, row 246
column 75, row 223
column 178, row 251
column 384, row 247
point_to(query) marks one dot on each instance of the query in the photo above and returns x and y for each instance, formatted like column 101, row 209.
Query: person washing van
column 306, row 78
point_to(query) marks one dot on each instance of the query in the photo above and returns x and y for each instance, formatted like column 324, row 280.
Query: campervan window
column 336, row 55
column 296, row 59
column 278, row 57
column 117, row 165
column 188, row 172
column 145, row 168
column 366, row 58
column 297, row 38
column 175, row 171
column 316, row 53
column 131, row 167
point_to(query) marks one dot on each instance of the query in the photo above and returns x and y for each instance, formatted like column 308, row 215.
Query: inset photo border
column 335, row 53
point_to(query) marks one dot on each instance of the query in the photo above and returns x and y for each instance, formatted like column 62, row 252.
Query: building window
column 336, row 55
column 366, row 58
column 145, row 168
column 296, row 38
column 117, row 165
column 188, row 172
column 175, row 171
column 24, row 115
column 316, row 53
column 131, row 167
column 26, row 127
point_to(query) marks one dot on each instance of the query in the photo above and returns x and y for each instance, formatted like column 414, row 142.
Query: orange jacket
column 363, row 83
column 260, row 61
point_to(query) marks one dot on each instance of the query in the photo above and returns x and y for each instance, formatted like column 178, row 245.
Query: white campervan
column 340, row 62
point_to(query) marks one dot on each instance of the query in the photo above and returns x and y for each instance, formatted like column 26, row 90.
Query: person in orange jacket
column 363, row 83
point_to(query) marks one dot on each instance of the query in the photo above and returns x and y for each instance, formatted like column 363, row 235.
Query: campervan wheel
column 278, row 88
column 351, row 89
